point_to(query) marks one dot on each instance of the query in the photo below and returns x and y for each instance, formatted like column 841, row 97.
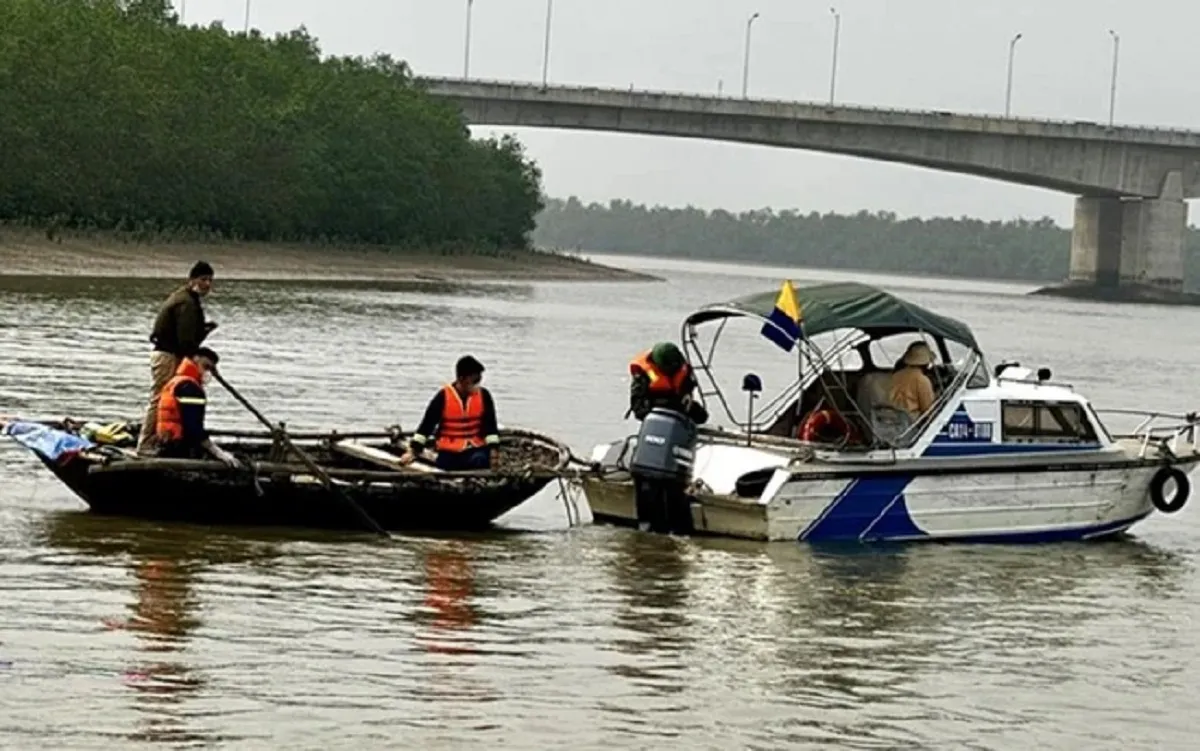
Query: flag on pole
column 785, row 325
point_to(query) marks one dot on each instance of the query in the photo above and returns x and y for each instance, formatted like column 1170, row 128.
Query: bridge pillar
column 1152, row 238
column 1130, row 248
column 1096, row 241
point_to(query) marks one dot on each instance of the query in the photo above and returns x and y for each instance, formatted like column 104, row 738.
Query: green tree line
column 1021, row 249
column 113, row 115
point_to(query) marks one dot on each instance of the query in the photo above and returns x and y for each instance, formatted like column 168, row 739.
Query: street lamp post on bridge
column 1112, row 91
column 467, row 43
column 1012, row 48
column 546, row 45
column 746, row 57
column 837, row 29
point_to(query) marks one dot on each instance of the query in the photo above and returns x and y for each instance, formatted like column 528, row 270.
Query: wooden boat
column 275, row 488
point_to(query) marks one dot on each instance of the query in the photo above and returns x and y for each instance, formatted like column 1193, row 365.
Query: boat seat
column 888, row 423
column 873, row 389
column 885, row 422
column 378, row 457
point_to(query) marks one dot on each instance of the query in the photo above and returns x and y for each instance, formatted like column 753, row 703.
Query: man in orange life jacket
column 462, row 420
column 661, row 377
column 180, row 432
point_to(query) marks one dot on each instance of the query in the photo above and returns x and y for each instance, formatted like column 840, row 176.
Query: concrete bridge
column 1130, row 182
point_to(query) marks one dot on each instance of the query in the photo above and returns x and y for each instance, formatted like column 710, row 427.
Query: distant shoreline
column 29, row 252
column 1132, row 293
column 782, row 265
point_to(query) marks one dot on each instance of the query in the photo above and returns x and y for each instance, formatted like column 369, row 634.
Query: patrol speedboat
column 1003, row 455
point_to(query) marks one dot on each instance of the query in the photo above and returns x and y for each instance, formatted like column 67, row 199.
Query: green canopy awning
column 846, row 305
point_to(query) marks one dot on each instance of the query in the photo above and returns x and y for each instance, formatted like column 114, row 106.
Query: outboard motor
column 661, row 468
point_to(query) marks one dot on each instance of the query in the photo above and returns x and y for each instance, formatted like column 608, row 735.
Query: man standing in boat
column 179, row 330
column 461, row 420
column 180, row 432
column 661, row 377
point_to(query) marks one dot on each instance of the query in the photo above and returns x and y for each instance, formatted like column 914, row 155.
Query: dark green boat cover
column 847, row 305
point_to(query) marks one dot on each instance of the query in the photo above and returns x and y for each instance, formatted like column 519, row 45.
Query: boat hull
column 997, row 506
column 218, row 497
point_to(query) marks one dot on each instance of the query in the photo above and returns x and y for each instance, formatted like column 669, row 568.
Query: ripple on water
column 122, row 633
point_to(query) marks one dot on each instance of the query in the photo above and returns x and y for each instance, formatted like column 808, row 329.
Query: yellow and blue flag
column 785, row 325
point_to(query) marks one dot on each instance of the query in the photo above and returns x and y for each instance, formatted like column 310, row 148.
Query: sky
column 919, row 54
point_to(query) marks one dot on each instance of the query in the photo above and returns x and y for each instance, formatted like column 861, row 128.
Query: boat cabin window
column 1063, row 422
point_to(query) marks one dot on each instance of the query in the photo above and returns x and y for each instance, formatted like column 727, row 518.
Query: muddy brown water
column 118, row 634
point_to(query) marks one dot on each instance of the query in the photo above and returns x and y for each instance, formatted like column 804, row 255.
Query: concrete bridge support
column 1132, row 245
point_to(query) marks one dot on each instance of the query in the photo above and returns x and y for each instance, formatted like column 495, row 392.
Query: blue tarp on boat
column 46, row 442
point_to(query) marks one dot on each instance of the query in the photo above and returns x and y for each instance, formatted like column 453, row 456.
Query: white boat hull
column 997, row 506
column 1003, row 506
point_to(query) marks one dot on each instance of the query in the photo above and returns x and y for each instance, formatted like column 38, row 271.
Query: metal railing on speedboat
column 1163, row 429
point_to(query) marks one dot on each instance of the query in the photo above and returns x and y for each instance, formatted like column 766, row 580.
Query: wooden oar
column 313, row 467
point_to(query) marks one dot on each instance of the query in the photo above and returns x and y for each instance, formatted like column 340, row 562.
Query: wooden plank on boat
column 379, row 457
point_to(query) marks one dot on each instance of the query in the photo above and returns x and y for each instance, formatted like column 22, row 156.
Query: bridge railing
column 527, row 85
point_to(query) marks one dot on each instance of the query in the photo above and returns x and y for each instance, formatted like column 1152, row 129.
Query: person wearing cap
column 179, row 428
column 179, row 330
column 461, row 421
column 911, row 390
column 661, row 377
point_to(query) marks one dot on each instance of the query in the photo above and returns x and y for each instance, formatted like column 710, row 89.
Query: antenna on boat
column 752, row 385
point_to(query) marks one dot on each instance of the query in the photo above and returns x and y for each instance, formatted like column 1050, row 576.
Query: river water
column 121, row 634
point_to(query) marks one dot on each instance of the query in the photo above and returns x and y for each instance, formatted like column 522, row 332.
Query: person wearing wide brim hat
column 912, row 391
column 918, row 355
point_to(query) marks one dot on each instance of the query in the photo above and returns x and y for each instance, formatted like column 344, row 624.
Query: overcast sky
column 937, row 54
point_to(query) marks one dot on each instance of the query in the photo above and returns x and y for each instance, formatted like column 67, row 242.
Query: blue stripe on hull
column 869, row 508
column 993, row 449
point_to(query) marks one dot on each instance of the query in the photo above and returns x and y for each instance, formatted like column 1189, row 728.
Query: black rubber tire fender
column 1158, row 483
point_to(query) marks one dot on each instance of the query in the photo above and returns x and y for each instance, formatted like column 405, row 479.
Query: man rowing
column 179, row 330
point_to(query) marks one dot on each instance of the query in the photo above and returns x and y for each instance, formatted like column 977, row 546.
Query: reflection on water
column 118, row 633
column 163, row 609
column 650, row 577
column 449, row 585
column 162, row 619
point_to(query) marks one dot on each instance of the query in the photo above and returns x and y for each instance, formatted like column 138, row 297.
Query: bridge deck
column 934, row 120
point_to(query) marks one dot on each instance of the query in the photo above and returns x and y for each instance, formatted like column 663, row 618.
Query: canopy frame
column 821, row 361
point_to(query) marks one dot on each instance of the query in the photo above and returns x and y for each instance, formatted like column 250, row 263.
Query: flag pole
column 799, row 383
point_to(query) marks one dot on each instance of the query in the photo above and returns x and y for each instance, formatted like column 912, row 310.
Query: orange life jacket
column 170, row 417
column 660, row 383
column 461, row 427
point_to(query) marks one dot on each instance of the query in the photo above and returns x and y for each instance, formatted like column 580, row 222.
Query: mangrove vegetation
column 115, row 116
